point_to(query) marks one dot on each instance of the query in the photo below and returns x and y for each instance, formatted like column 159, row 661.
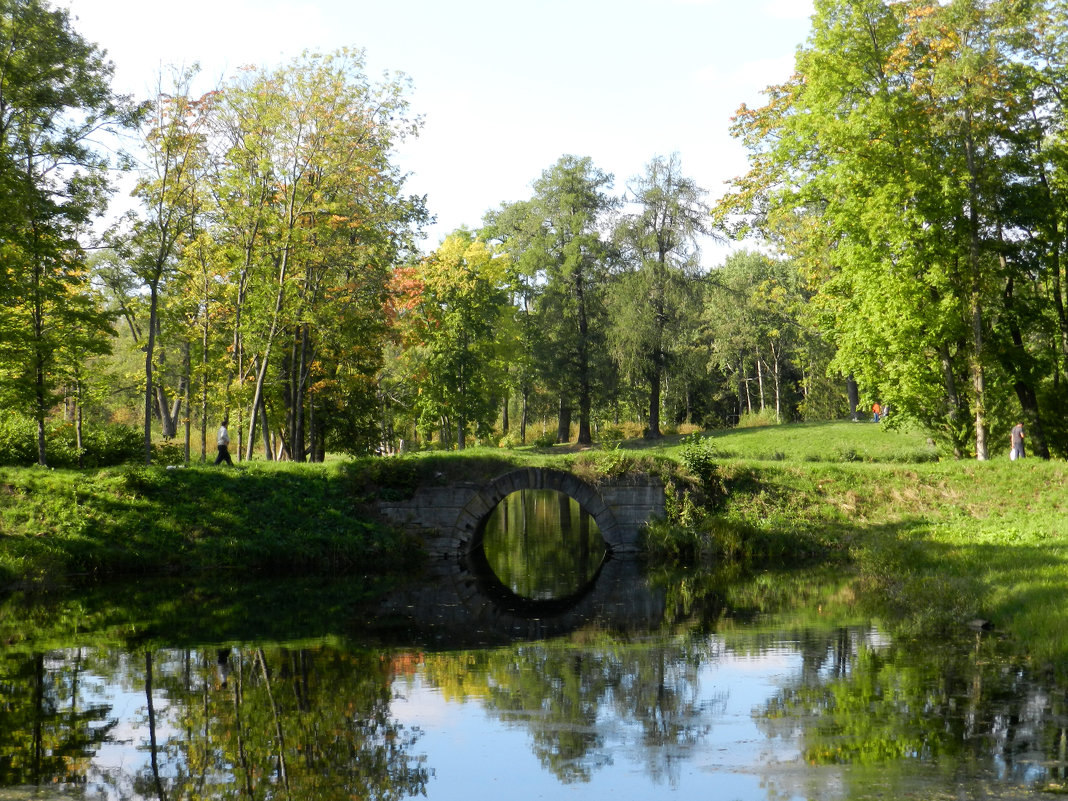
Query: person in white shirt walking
column 224, row 444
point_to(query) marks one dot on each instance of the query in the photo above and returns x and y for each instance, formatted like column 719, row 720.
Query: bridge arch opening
column 471, row 522
column 541, row 544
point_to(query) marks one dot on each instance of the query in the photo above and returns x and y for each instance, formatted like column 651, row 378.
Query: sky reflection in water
column 773, row 687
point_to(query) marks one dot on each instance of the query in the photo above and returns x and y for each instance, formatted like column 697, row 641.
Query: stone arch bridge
column 450, row 519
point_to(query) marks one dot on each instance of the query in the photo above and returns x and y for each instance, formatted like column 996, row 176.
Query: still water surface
column 625, row 685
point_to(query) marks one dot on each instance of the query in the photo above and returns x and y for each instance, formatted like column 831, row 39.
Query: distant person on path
column 224, row 444
column 876, row 411
column 1016, row 437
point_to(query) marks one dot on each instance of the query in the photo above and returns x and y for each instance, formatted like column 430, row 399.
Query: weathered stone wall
column 431, row 514
column 450, row 519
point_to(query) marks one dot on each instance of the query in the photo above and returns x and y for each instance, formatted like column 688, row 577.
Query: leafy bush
column 546, row 440
column 613, row 463
column 18, row 441
column 172, row 452
column 700, row 456
column 512, row 439
column 102, row 445
column 611, row 433
column 757, row 419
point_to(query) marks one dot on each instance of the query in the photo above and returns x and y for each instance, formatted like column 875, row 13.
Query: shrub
column 170, row 452
column 18, row 441
column 509, row 440
column 102, row 445
column 611, row 433
column 700, row 456
column 546, row 440
column 756, row 419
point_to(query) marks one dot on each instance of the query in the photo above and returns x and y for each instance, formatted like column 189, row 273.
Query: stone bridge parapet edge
column 445, row 518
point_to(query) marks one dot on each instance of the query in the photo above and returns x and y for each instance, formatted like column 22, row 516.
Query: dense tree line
column 914, row 167
column 607, row 317
column 252, row 280
column 907, row 183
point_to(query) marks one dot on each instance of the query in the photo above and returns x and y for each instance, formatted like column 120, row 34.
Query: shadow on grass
column 160, row 521
column 925, row 587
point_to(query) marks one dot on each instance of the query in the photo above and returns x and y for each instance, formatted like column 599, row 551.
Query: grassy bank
column 64, row 525
column 933, row 544
column 60, row 526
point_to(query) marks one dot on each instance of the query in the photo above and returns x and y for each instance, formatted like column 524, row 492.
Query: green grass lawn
column 933, row 543
column 807, row 442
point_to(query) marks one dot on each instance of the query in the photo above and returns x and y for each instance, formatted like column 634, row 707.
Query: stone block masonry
column 450, row 519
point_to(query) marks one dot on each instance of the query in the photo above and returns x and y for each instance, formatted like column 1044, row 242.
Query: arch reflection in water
column 541, row 544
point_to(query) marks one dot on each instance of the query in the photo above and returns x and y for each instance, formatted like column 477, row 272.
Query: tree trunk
column 313, row 431
column 78, row 423
column 748, row 394
column 1016, row 363
column 268, row 451
column 976, row 308
column 853, row 394
column 563, row 420
column 150, row 344
column 979, row 381
column 261, row 375
column 957, row 411
column 585, row 435
column 297, row 436
column 743, row 387
column 653, row 431
column 524, row 418
column 204, row 378
column 760, row 378
column 776, row 369
column 169, row 412
column 187, row 380
column 1058, row 280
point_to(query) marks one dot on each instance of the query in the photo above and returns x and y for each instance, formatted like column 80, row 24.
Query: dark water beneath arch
column 633, row 684
column 541, row 544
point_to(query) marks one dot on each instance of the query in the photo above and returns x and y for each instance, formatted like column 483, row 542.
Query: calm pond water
column 623, row 684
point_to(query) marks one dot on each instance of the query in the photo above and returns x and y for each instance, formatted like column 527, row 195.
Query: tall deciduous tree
column 452, row 321
column 557, row 241
column 899, row 141
column 310, row 203
column 652, row 301
column 55, row 96
column 174, row 144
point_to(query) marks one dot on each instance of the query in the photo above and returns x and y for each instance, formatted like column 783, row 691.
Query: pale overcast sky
column 505, row 88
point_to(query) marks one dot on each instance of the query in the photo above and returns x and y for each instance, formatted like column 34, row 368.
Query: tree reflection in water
column 882, row 709
column 541, row 544
column 254, row 723
column 843, row 711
